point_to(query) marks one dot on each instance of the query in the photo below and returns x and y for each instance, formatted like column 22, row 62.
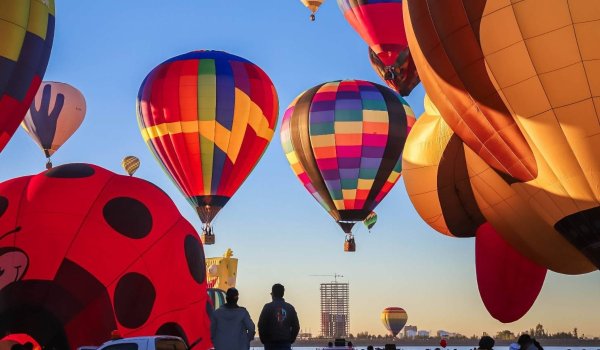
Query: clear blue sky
column 276, row 229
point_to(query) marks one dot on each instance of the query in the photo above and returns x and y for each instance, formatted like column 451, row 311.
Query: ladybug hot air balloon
column 344, row 142
column 394, row 319
column 380, row 25
column 207, row 116
column 55, row 114
column 27, row 32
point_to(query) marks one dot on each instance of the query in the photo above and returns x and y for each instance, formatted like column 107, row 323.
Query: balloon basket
column 312, row 18
column 207, row 239
column 349, row 246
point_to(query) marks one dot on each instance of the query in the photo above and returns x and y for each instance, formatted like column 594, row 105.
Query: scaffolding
column 335, row 309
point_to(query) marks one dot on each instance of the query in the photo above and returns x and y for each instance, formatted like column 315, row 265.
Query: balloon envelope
column 131, row 164
column 27, row 33
column 54, row 115
column 207, row 116
column 404, row 78
column 508, row 282
column 81, row 246
column 344, row 141
column 394, row 319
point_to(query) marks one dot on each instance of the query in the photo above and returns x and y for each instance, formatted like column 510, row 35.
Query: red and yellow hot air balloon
column 26, row 32
column 207, row 116
column 379, row 24
column 55, row 114
column 394, row 319
column 344, row 142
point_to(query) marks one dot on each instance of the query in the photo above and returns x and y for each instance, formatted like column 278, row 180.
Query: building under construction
column 335, row 309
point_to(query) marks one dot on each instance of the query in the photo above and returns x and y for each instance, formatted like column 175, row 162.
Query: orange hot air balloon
column 55, row 114
column 313, row 6
column 394, row 319
column 518, row 84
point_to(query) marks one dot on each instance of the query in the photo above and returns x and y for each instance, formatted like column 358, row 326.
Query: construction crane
column 335, row 276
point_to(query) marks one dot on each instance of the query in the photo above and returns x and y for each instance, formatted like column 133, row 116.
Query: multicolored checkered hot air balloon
column 344, row 141
column 207, row 116
column 26, row 32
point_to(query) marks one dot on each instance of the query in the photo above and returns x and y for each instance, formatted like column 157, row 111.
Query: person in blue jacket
column 231, row 327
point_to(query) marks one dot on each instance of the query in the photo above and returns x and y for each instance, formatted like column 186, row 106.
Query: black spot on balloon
column 172, row 328
column 128, row 217
column 3, row 205
column 134, row 299
column 194, row 255
column 71, row 171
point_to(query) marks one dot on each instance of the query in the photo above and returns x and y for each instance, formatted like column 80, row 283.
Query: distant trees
column 505, row 335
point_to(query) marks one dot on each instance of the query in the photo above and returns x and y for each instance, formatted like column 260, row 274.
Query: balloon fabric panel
column 27, row 29
column 208, row 116
column 379, row 23
column 453, row 70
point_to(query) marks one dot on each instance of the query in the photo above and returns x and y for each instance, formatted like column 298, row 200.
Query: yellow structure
column 221, row 272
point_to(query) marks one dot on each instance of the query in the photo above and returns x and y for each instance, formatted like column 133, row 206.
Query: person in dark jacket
column 231, row 327
column 278, row 324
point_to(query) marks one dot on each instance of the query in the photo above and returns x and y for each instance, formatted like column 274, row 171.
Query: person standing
column 278, row 324
column 231, row 327
column 486, row 343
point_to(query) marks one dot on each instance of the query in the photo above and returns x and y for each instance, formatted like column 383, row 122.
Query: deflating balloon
column 97, row 248
column 394, row 319
column 313, row 6
column 404, row 75
column 207, row 116
column 27, row 32
column 130, row 164
column 54, row 115
column 344, row 141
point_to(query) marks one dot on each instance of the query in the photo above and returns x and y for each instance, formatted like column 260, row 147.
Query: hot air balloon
column 379, row 23
column 394, row 319
column 207, row 116
column 130, row 164
column 526, row 108
column 54, row 115
column 97, row 248
column 443, row 343
column 27, row 32
column 344, row 141
column 404, row 77
column 371, row 220
column 313, row 6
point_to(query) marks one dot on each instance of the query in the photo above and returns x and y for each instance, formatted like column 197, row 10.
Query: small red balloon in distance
column 508, row 282
column 443, row 343
column 97, row 248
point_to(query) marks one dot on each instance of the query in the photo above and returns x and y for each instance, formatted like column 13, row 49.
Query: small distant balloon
column 55, row 114
column 394, row 319
column 443, row 343
column 313, row 6
column 401, row 76
column 370, row 221
column 131, row 164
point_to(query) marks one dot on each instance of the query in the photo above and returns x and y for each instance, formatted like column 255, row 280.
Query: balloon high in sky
column 207, row 116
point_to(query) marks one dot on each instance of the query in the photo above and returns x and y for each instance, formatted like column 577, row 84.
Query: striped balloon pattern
column 207, row 116
column 394, row 319
column 27, row 32
column 216, row 296
column 131, row 164
column 344, row 142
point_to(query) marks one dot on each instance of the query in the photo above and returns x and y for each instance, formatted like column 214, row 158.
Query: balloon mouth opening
column 389, row 73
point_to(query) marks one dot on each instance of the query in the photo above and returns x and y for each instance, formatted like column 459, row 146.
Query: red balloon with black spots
column 84, row 251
